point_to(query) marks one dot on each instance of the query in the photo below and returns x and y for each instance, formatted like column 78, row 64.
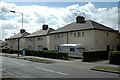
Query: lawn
column 107, row 68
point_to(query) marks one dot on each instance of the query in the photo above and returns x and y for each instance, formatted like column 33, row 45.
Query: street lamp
column 22, row 28
column 19, row 13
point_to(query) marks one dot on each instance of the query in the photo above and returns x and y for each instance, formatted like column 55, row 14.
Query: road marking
column 52, row 71
column 20, row 64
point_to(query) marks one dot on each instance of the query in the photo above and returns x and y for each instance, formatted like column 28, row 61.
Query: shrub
column 114, row 57
column 95, row 55
column 5, row 50
column 11, row 51
column 47, row 54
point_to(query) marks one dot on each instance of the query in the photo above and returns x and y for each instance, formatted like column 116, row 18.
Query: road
column 28, row 69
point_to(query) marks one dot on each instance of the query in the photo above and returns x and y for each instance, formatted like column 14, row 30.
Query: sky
column 55, row 14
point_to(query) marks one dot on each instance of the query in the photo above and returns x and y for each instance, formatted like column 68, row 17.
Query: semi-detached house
column 92, row 35
column 38, row 40
column 16, row 40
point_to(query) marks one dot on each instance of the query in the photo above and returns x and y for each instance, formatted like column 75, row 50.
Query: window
column 29, row 47
column 61, row 35
column 78, row 34
column 70, row 33
column 107, row 34
column 74, row 34
column 56, row 47
column 30, row 39
column 58, row 36
column 72, row 50
column 40, row 47
column 82, row 34
column 55, row 36
column 40, row 38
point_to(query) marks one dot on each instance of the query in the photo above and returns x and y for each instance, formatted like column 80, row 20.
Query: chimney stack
column 45, row 27
column 22, row 31
column 80, row 19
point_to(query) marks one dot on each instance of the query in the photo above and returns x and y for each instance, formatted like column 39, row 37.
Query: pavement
column 73, row 63
column 60, row 69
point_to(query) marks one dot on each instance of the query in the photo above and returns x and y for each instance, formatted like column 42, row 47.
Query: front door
column 108, row 47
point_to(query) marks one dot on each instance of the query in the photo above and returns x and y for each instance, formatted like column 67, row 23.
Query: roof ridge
column 91, row 23
column 102, row 25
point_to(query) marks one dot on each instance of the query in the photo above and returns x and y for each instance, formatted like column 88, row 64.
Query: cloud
column 5, row 9
column 19, row 19
column 36, row 15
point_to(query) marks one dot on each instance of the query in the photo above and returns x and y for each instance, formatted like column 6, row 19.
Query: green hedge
column 95, row 55
column 12, row 51
column 47, row 54
column 5, row 50
column 114, row 57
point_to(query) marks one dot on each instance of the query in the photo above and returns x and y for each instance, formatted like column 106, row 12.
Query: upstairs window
column 70, row 33
column 107, row 34
column 55, row 37
column 74, row 34
column 78, row 34
column 82, row 34
column 40, row 38
column 58, row 36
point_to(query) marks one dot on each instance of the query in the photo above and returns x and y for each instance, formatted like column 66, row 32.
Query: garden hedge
column 95, row 55
column 4, row 50
column 47, row 54
column 114, row 57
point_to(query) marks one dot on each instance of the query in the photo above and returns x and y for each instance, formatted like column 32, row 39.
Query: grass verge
column 32, row 59
column 106, row 68
column 72, row 59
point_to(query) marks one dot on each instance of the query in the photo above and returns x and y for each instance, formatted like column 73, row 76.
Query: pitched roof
column 89, row 24
column 40, row 32
column 1, row 41
column 19, row 35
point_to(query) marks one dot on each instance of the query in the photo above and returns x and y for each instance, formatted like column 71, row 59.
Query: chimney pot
column 22, row 31
column 45, row 27
column 80, row 19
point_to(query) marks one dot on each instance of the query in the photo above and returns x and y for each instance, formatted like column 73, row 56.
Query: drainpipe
column 18, row 48
column 34, row 42
column 67, row 37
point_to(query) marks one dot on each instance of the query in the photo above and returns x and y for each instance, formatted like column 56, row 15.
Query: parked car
column 73, row 50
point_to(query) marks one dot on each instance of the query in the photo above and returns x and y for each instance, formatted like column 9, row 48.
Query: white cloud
column 19, row 19
column 5, row 9
column 35, row 16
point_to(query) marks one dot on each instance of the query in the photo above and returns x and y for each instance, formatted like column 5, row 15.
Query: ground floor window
column 29, row 47
column 56, row 47
column 40, row 47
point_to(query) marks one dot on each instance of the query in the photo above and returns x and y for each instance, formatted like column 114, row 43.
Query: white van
column 74, row 50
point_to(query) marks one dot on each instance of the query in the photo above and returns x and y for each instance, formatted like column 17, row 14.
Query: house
column 92, row 35
column 1, row 43
column 16, row 40
column 38, row 40
column 118, row 42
